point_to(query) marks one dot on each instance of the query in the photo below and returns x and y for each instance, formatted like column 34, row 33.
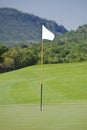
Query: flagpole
column 46, row 34
column 41, row 89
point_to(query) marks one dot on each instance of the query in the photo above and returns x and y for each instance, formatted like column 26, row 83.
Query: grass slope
column 63, row 83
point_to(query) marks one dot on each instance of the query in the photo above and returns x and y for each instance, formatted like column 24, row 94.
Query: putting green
column 59, row 117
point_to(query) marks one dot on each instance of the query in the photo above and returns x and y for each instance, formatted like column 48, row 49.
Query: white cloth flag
column 47, row 34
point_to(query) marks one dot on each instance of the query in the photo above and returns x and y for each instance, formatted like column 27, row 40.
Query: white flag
column 47, row 34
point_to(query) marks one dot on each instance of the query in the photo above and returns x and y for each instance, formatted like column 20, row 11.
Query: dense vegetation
column 15, row 58
column 72, row 47
column 17, row 27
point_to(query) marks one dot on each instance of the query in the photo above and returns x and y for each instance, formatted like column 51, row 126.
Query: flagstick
column 46, row 34
column 41, row 102
column 41, row 93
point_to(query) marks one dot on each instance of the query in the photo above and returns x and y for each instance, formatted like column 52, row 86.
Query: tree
column 27, row 58
column 8, row 64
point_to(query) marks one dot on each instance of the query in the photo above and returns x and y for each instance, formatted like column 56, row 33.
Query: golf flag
column 47, row 34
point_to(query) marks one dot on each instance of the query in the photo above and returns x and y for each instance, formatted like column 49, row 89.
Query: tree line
column 57, row 51
column 16, row 58
column 71, row 47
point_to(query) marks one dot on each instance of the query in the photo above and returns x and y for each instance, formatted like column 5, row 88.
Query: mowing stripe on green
column 63, row 83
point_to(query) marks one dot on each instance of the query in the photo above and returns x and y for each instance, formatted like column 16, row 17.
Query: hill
column 80, row 35
column 63, row 83
column 18, row 27
column 71, row 47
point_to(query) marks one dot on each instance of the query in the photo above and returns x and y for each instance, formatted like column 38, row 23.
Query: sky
column 69, row 13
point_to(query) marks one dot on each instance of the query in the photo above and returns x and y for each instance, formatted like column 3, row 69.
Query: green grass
column 64, row 98
column 63, row 83
column 59, row 117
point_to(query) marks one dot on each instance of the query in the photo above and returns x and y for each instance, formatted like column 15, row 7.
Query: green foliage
column 17, row 58
column 3, row 49
column 9, row 64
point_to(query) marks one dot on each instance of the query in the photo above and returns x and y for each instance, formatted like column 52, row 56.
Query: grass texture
column 64, row 98
column 63, row 83
column 55, row 117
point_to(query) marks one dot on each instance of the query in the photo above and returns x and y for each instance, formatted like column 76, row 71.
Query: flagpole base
column 41, row 98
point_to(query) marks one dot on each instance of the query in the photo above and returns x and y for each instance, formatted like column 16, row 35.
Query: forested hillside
column 17, row 27
column 72, row 47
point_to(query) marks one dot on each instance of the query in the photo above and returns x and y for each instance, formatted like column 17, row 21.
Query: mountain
column 18, row 27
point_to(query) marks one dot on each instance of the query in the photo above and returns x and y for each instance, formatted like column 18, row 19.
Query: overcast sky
column 69, row 13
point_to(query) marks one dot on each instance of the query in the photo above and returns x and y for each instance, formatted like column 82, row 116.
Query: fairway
column 59, row 117
column 63, row 83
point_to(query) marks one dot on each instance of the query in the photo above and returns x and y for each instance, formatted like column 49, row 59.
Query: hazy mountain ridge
column 76, row 36
column 16, row 26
